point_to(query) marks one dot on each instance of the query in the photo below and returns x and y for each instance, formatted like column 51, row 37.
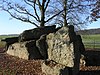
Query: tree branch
column 23, row 9
column 28, row 3
column 54, row 16
column 32, row 16
column 39, row 4
column 46, row 5
column 36, row 12
column 21, row 19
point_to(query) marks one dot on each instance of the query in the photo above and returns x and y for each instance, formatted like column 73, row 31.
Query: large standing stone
column 25, row 50
column 60, row 49
column 64, row 47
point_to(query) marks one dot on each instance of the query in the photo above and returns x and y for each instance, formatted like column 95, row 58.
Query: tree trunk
column 65, row 13
column 42, row 14
column 42, row 19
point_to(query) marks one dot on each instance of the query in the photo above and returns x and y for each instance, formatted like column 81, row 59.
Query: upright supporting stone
column 59, row 47
column 64, row 48
column 53, row 68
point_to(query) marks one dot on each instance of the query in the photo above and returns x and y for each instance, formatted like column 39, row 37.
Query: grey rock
column 77, row 55
column 35, row 33
column 82, row 60
column 64, row 47
column 60, row 49
column 26, row 50
column 53, row 68
column 72, row 33
column 81, row 45
column 10, row 41
column 19, row 50
column 42, row 46
column 33, row 51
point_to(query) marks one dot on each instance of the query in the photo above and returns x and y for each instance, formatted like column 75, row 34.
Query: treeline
column 89, row 31
column 10, row 35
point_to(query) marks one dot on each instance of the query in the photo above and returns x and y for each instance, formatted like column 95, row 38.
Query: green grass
column 91, row 41
column 2, row 44
column 5, row 36
column 89, row 38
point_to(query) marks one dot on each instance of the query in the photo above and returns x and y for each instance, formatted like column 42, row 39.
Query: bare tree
column 30, row 11
column 75, row 12
column 96, row 11
column 40, row 12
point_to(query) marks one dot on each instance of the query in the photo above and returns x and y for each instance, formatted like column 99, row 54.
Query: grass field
column 2, row 44
column 91, row 41
column 5, row 36
column 89, row 38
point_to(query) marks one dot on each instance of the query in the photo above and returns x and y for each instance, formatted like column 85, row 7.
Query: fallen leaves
column 10, row 65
